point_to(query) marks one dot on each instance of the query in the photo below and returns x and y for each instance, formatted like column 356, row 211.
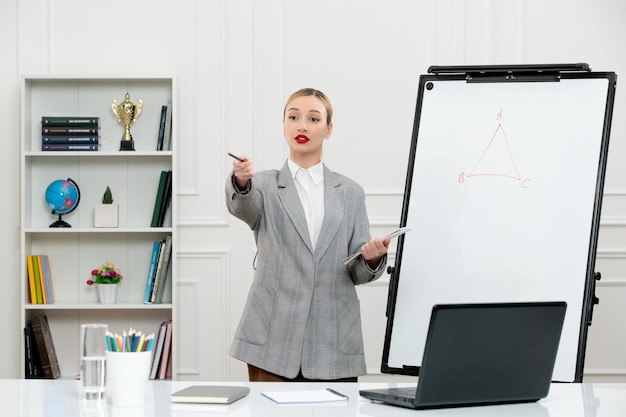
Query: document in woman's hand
column 391, row 235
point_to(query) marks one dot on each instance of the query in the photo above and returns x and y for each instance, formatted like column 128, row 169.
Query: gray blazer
column 302, row 311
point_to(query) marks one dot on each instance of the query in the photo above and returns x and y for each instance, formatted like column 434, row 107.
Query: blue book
column 160, row 275
column 153, row 264
column 47, row 279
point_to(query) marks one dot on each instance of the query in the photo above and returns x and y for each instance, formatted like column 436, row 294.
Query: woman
column 301, row 321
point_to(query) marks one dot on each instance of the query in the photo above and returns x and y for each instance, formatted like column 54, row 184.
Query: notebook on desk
column 210, row 394
column 480, row 354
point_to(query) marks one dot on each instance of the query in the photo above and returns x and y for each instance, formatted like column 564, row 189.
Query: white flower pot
column 106, row 215
column 107, row 293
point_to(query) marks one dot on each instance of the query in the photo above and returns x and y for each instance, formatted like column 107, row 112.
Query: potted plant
column 107, row 213
column 106, row 278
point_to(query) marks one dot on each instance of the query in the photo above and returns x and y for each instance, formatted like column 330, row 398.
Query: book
column 167, row 198
column 45, row 347
column 159, row 286
column 159, row 146
column 157, row 272
column 70, row 121
column 167, row 134
column 35, row 265
column 32, row 365
column 69, row 147
column 47, row 278
column 29, row 366
column 42, row 283
column 159, row 198
column 65, row 139
column 158, row 349
column 151, row 271
column 167, row 348
column 31, row 280
column 210, row 394
column 69, row 131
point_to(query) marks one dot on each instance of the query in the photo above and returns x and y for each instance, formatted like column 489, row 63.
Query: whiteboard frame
column 508, row 74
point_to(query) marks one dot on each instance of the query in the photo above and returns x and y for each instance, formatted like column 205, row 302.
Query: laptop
column 482, row 354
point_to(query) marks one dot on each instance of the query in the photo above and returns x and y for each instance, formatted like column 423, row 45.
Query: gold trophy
column 127, row 113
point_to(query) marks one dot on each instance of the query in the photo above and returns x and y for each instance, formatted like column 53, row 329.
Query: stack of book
column 39, row 279
column 69, row 133
column 157, row 271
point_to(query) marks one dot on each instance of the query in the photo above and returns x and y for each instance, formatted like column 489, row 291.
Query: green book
column 167, row 131
column 38, row 290
column 159, row 199
column 70, row 121
column 167, row 197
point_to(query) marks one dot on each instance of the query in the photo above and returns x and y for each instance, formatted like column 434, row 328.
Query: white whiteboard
column 502, row 203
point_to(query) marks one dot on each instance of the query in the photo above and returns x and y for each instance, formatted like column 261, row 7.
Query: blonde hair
column 312, row 92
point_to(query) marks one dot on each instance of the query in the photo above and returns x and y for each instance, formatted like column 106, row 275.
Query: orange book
column 42, row 282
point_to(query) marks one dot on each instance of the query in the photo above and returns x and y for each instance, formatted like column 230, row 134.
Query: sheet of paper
column 298, row 397
column 391, row 235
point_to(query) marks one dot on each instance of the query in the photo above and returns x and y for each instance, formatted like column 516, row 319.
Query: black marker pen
column 338, row 393
column 235, row 156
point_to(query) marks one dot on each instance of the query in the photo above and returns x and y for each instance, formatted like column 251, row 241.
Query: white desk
column 50, row 398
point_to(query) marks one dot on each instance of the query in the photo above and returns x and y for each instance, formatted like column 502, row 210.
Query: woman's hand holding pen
column 243, row 170
column 374, row 250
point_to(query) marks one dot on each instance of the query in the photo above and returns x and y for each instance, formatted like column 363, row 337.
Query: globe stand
column 60, row 222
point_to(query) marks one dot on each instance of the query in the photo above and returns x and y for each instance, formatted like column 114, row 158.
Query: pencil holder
column 127, row 375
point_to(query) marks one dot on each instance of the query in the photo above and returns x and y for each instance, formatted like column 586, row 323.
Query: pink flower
column 106, row 274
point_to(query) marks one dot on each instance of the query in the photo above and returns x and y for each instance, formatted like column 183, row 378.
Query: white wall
column 10, row 169
column 237, row 60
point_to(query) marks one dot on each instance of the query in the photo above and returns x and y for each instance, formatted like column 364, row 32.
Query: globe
column 62, row 197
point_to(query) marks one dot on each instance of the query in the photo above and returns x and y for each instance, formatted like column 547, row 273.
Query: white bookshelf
column 133, row 177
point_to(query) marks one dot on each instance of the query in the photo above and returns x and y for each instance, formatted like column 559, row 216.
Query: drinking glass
column 92, row 360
